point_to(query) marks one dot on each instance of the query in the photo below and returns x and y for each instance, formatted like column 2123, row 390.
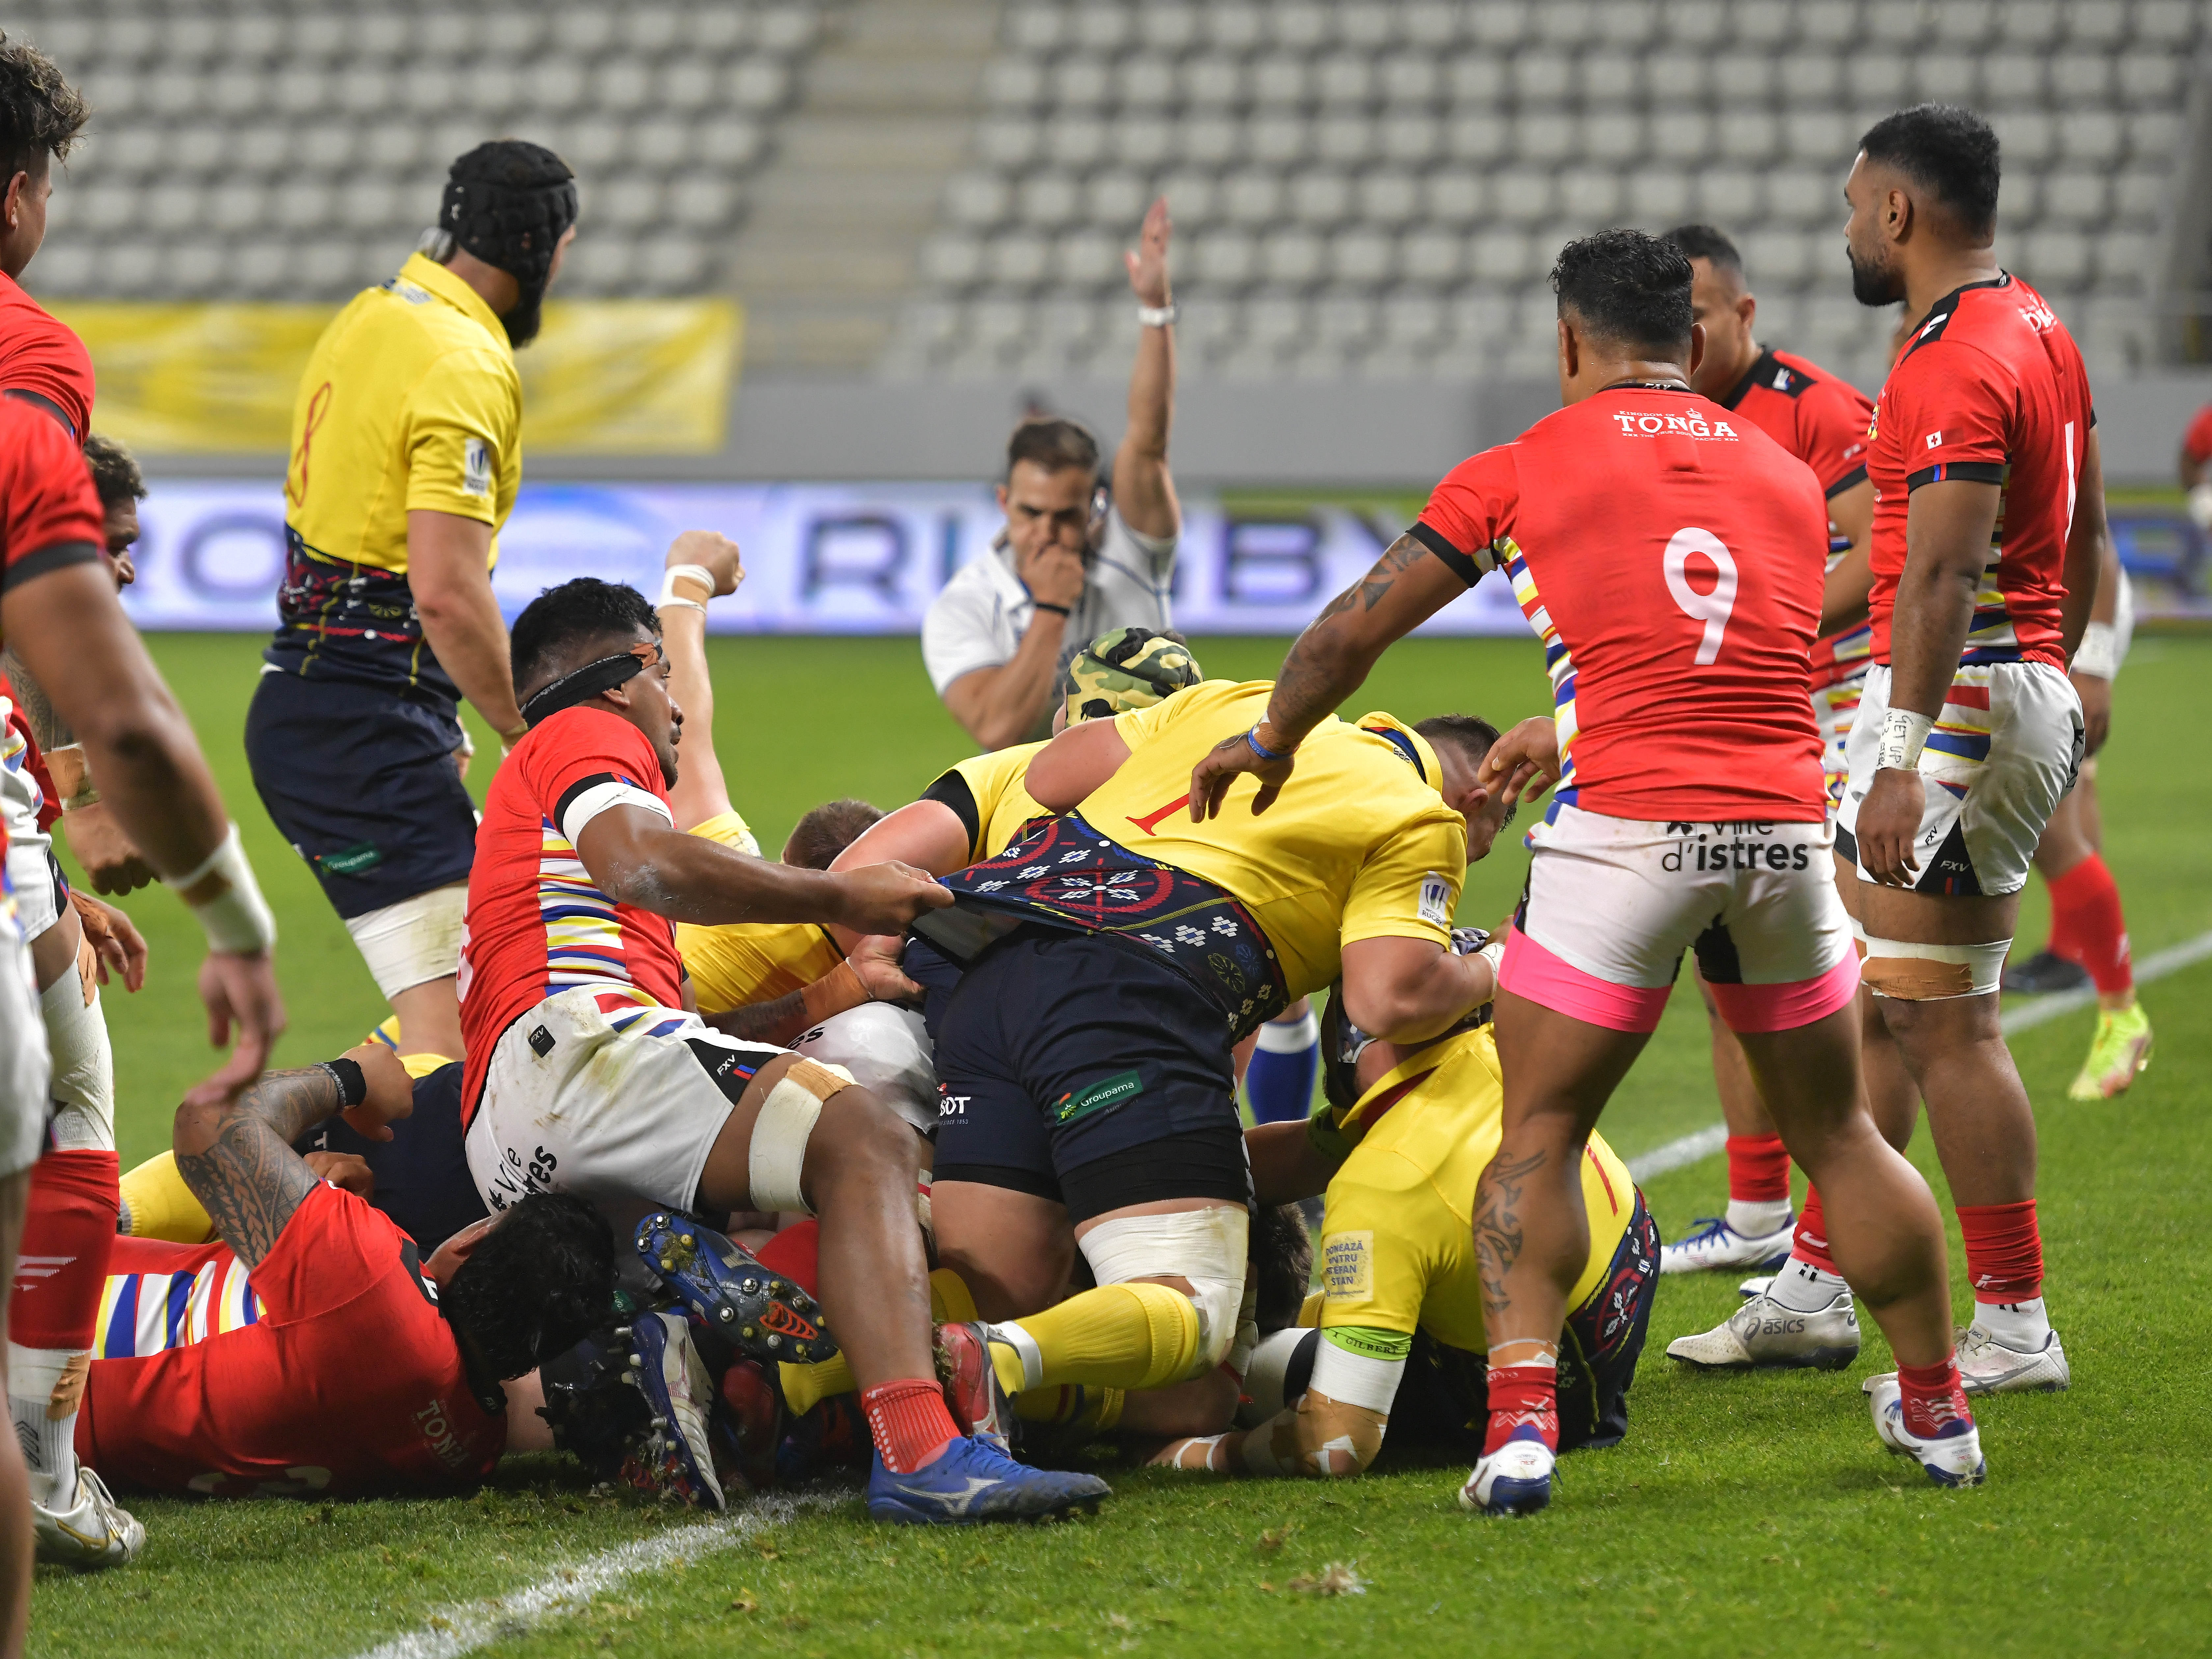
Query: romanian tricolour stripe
column 1558, row 663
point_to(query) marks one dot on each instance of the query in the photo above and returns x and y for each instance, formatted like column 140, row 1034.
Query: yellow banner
column 604, row 377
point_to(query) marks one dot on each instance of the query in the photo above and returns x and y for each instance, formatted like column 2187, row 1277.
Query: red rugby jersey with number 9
column 1668, row 554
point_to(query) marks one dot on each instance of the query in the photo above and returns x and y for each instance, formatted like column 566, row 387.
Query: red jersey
column 1990, row 388
column 537, row 923
column 1823, row 421
column 19, row 752
column 42, row 363
column 1669, row 557
column 50, row 514
column 2196, row 442
column 338, row 1373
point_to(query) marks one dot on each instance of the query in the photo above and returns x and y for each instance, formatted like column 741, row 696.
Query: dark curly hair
column 536, row 1284
column 1627, row 287
column 40, row 113
column 1282, row 1249
column 1949, row 152
column 552, row 626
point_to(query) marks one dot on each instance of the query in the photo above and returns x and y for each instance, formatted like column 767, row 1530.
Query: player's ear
column 1570, row 352
column 1696, row 346
column 446, row 1260
column 1746, row 308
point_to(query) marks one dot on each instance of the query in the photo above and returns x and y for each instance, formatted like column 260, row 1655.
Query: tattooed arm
column 1408, row 585
column 239, row 1162
column 46, row 724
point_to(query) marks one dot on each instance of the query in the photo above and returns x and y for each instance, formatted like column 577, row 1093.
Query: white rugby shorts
column 1612, row 904
column 888, row 1052
column 619, row 1104
column 1835, row 710
column 31, row 868
column 24, row 1067
column 2000, row 758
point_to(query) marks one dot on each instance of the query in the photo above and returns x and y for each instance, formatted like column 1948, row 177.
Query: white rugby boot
column 1757, row 1284
column 1514, row 1479
column 96, row 1532
column 1952, row 1457
column 1763, row 1334
column 1988, row 1366
column 1712, row 1245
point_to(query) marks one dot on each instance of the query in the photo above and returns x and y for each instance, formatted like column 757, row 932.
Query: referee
column 404, row 462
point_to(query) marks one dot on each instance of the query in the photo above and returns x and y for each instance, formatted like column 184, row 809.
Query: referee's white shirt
column 978, row 620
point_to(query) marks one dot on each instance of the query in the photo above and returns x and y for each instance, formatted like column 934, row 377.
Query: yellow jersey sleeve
column 1003, row 805
column 742, row 963
column 462, row 421
column 1409, row 885
column 1372, row 1270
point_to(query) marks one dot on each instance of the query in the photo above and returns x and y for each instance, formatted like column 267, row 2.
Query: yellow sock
column 1119, row 1336
column 162, row 1207
column 1073, row 1404
column 805, row 1386
column 950, row 1302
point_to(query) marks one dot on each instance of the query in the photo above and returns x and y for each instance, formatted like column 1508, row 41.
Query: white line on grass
column 1694, row 1148
column 469, row 1626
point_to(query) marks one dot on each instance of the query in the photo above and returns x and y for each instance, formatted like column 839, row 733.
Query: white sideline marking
column 1694, row 1148
column 469, row 1626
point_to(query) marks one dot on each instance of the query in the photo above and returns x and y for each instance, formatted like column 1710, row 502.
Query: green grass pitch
column 1745, row 1515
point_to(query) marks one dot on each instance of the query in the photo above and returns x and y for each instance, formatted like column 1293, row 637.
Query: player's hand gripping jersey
column 332, row 1372
column 1256, row 910
column 1823, row 421
column 411, row 402
column 537, row 925
column 1669, row 555
column 1992, row 388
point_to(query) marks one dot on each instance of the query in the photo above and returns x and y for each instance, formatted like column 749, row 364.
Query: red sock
column 1520, row 1395
column 1932, row 1397
column 1811, row 1243
column 68, row 1230
column 2085, row 910
column 1758, row 1169
column 911, row 1425
column 2004, row 1251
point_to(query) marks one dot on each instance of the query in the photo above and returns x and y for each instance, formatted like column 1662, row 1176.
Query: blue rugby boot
column 1514, row 1479
column 972, row 1480
column 674, row 1455
column 760, row 1314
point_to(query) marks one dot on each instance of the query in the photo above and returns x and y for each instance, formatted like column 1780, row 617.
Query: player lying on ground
column 1395, row 1345
column 1112, row 959
column 586, row 1072
column 1713, row 840
column 350, row 1364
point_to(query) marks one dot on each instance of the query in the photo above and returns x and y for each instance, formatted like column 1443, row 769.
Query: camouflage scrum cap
column 1129, row 668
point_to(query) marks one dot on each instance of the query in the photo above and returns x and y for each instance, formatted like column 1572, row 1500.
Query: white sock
column 2022, row 1326
column 1803, row 1288
column 40, row 1380
column 1754, row 1219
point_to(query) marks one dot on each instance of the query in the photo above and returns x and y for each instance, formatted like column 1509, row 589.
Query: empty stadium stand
column 1377, row 187
column 269, row 150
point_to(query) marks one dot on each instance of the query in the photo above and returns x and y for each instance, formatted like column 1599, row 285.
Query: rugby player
column 586, row 1072
column 1112, row 958
column 1395, row 1345
column 1075, row 559
column 1669, row 555
column 348, row 1364
column 404, row 462
column 1989, row 534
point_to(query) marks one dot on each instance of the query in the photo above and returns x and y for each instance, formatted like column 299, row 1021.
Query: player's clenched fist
column 882, row 898
column 712, row 552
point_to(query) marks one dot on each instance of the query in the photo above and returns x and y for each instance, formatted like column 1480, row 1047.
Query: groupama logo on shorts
column 1107, row 1091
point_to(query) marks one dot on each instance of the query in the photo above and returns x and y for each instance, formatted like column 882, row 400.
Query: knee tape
column 777, row 1154
column 83, row 1085
column 886, row 1050
column 413, row 941
column 1207, row 1247
column 1932, row 973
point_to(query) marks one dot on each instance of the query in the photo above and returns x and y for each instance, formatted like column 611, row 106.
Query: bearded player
column 1669, row 555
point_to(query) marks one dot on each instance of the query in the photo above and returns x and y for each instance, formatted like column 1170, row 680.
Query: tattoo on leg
column 1498, row 1238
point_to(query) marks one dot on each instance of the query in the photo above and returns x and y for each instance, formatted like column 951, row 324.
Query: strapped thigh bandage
column 1207, row 1247
column 777, row 1153
column 413, row 941
column 1932, row 973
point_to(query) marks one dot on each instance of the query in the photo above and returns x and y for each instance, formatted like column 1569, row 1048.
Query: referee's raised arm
column 406, row 459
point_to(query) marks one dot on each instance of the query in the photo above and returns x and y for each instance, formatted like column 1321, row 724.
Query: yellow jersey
column 1360, row 845
column 411, row 402
column 1397, row 1245
column 739, row 963
column 988, row 796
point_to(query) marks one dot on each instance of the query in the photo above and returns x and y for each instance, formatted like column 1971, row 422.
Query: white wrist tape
column 1903, row 733
column 2100, row 655
column 236, row 919
column 1494, row 954
column 689, row 572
